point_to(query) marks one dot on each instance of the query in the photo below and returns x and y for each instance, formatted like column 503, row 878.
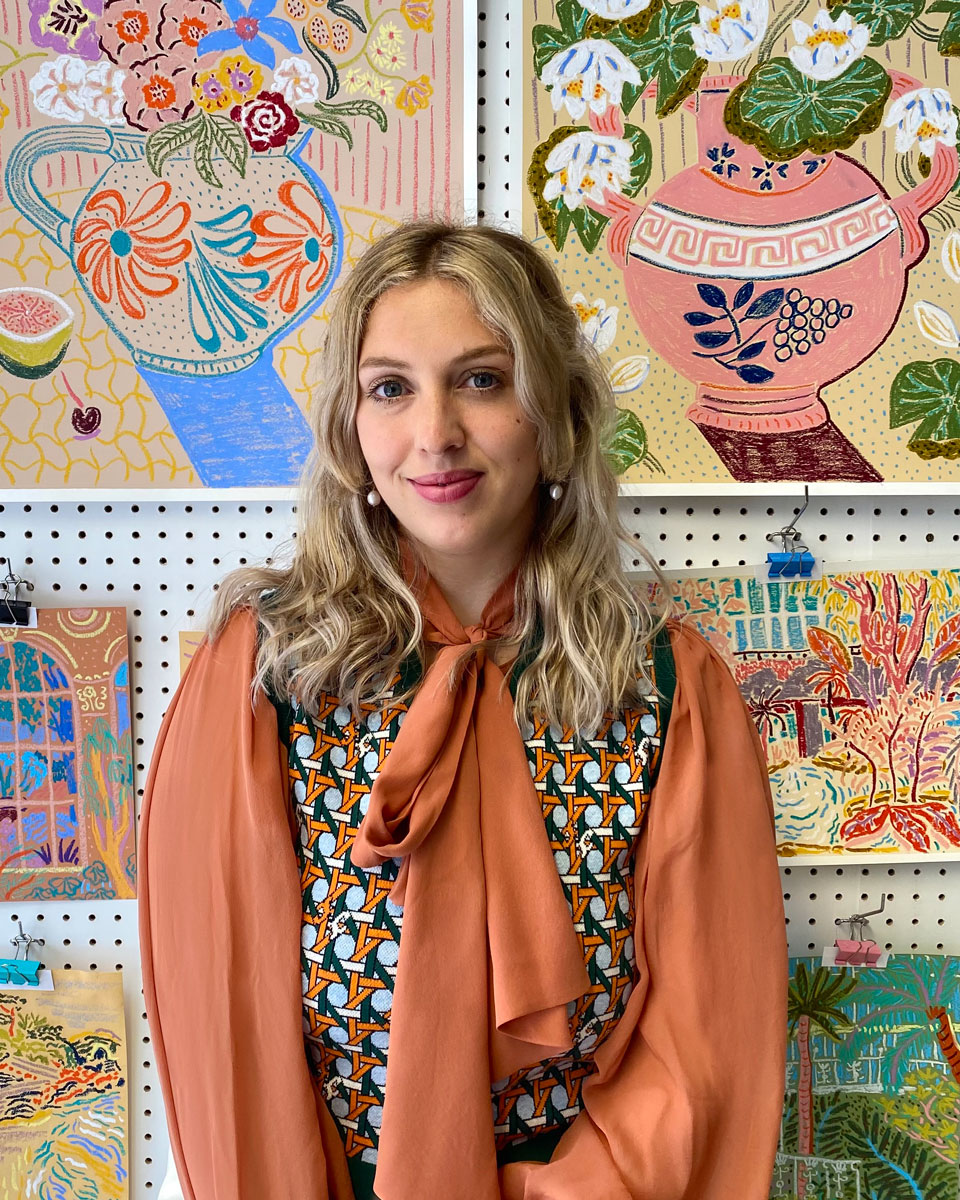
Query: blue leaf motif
column 752, row 373
column 752, row 350
column 711, row 340
column 743, row 295
column 712, row 295
column 699, row 318
column 765, row 304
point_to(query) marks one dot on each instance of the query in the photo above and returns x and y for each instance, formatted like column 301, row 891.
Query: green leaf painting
column 886, row 19
column 167, row 140
column 784, row 112
column 929, row 392
column 229, row 140
column 630, row 444
column 666, row 54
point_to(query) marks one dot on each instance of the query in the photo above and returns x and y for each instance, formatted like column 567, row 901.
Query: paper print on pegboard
column 67, row 826
column 873, row 1082
column 63, row 1089
column 185, row 182
column 754, row 210
column 853, row 681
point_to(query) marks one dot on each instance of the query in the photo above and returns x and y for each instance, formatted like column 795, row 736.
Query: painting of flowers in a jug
column 185, row 183
column 755, row 208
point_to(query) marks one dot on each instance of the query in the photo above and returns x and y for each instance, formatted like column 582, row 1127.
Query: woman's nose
column 439, row 423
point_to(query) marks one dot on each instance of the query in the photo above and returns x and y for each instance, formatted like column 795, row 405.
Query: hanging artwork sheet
column 67, row 826
column 853, row 681
column 184, row 183
column 754, row 209
column 63, row 1089
column 873, row 1082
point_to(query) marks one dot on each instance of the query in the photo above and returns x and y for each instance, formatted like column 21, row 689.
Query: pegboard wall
column 160, row 558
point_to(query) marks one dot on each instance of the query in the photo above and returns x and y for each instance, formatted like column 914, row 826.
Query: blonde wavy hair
column 341, row 619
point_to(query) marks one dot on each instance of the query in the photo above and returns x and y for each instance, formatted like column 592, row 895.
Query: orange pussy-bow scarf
column 489, row 956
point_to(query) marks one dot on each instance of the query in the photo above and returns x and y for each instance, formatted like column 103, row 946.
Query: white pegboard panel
column 161, row 560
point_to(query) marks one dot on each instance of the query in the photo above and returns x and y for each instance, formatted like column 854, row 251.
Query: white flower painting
column 923, row 117
column 583, row 165
column 730, row 31
column 827, row 48
column 57, row 88
column 297, row 81
column 588, row 74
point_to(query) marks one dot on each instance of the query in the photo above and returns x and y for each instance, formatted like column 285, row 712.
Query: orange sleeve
column 687, row 1100
column 220, row 912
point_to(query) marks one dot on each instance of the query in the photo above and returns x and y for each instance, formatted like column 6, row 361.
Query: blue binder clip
column 794, row 560
column 21, row 971
column 790, row 564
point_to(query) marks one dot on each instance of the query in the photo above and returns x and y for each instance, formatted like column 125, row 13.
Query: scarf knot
column 489, row 957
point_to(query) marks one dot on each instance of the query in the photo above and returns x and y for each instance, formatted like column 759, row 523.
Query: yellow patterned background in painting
column 135, row 446
column 859, row 401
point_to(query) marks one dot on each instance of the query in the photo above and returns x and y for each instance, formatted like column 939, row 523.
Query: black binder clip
column 13, row 610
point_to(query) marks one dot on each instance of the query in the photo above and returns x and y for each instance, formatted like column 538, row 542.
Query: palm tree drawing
column 916, row 996
column 813, row 1006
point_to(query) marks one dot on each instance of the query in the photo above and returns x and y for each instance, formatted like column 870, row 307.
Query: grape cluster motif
column 803, row 321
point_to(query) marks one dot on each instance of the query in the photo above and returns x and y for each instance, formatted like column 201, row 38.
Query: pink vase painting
column 757, row 277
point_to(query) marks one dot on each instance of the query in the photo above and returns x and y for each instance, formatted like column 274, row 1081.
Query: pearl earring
column 373, row 497
column 556, row 491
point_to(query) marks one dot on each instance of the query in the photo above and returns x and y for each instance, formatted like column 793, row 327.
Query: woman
column 590, row 999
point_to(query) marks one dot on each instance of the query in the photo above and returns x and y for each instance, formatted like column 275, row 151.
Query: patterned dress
column 594, row 802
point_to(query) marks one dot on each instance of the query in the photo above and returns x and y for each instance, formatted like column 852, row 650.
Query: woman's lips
column 446, row 493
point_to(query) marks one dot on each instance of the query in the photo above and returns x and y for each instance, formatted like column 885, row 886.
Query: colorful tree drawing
column 813, row 1004
column 917, row 997
column 898, row 727
column 107, row 775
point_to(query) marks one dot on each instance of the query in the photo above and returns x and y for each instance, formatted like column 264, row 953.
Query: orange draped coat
column 686, row 1101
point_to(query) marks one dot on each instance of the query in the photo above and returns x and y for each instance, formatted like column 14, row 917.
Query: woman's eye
column 374, row 389
column 491, row 379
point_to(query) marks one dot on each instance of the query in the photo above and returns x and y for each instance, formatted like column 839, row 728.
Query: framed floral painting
column 755, row 208
column 184, row 183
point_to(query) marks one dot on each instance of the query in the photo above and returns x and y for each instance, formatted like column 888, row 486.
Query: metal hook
column 24, row 941
column 16, row 582
column 860, row 919
column 789, row 532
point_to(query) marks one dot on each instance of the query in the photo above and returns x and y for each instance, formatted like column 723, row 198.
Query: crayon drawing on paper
column 67, row 826
column 853, row 681
column 873, row 1082
column 63, row 1090
column 755, row 211
column 184, row 184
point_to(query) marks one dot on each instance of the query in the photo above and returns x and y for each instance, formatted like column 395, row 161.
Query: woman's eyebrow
column 476, row 352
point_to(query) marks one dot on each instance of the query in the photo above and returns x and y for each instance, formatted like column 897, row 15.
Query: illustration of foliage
column 910, row 996
column 928, row 392
column 836, row 658
column 665, row 54
column 107, row 777
column 886, row 19
column 948, row 43
column 783, row 112
column 630, row 445
column 928, row 1110
column 894, row 1166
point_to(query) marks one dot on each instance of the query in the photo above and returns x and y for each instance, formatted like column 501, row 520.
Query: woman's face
column 437, row 396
